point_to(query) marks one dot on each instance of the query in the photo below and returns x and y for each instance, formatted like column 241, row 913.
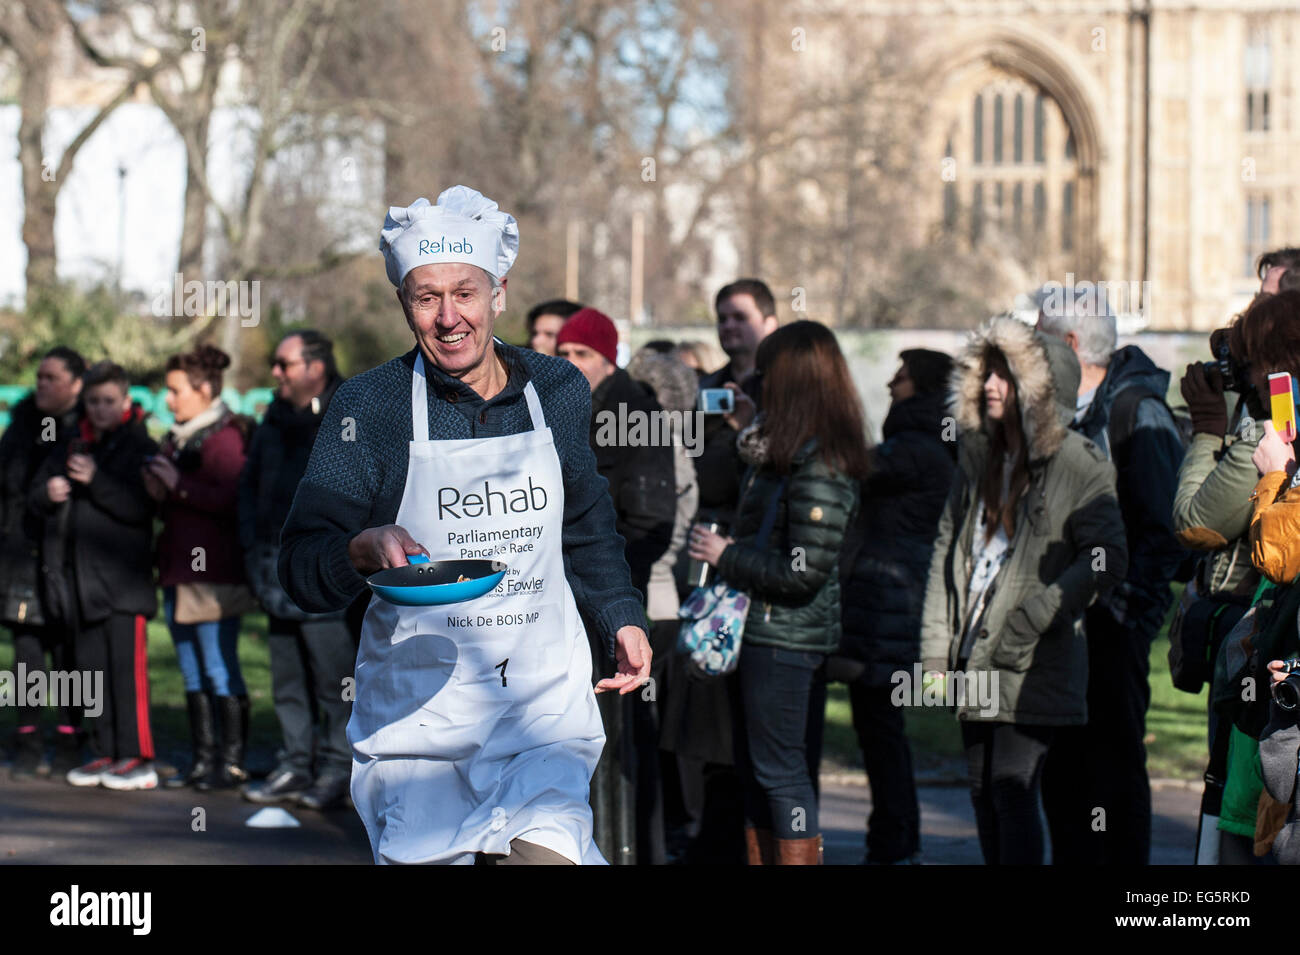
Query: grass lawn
column 1175, row 723
column 1176, row 745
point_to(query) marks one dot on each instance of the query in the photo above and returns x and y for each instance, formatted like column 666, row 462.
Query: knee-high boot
column 203, row 738
column 232, row 711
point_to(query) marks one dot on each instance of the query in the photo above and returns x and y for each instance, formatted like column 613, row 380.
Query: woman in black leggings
column 1030, row 533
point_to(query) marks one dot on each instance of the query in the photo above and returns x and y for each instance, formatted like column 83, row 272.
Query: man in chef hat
column 474, row 728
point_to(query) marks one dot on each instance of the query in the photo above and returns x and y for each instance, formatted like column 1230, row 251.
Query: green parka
column 793, row 582
column 1068, row 544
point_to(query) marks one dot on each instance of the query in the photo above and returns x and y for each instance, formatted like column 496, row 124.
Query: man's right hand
column 379, row 548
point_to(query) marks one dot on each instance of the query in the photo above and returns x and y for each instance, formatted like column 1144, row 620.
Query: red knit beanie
column 591, row 328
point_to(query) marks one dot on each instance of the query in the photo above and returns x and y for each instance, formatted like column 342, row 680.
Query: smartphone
column 717, row 401
column 1282, row 403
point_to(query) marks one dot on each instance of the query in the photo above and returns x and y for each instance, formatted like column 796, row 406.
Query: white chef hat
column 465, row 226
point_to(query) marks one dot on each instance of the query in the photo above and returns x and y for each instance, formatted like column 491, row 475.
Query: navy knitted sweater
column 356, row 475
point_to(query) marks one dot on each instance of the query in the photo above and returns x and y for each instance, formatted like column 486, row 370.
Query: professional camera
column 1287, row 693
column 1234, row 374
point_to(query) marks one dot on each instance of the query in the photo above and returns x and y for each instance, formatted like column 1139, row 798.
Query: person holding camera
column 38, row 424
column 99, row 571
column 195, row 476
column 1211, row 514
column 1267, row 338
column 1031, row 535
column 807, row 454
column 697, row 725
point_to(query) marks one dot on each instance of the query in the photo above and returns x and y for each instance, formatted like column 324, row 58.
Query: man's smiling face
column 450, row 307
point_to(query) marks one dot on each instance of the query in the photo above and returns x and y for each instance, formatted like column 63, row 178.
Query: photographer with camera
column 1212, row 513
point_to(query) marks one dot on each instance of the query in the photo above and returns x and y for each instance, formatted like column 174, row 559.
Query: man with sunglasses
column 311, row 654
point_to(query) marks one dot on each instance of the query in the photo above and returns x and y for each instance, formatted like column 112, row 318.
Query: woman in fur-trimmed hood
column 1031, row 532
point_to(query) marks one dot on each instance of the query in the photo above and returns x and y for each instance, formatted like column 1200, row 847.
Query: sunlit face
column 57, row 388
column 544, row 331
column 451, row 309
column 741, row 325
column 299, row 381
column 594, row 366
column 105, row 405
column 999, row 392
column 185, row 401
column 901, row 386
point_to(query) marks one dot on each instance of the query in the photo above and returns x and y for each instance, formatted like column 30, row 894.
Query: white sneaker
column 133, row 773
column 91, row 774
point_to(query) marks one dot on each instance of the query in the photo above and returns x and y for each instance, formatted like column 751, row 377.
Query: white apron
column 475, row 723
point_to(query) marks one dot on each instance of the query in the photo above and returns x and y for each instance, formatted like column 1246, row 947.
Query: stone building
column 1152, row 144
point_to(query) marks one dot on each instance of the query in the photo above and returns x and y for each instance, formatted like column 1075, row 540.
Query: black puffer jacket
column 794, row 581
column 887, row 550
column 278, row 452
column 99, row 541
column 22, row 452
column 641, row 479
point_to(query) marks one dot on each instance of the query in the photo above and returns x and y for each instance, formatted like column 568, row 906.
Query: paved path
column 45, row 822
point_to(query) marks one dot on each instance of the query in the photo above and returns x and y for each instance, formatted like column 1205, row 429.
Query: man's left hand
column 632, row 648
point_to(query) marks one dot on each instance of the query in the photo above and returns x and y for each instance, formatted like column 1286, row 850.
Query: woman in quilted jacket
column 806, row 454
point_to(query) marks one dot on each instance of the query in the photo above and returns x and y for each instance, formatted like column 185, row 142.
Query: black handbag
column 22, row 605
column 1195, row 633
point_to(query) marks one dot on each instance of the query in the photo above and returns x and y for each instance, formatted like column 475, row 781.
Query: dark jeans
column 778, row 743
column 309, row 662
column 894, row 828
column 1005, row 765
column 118, row 648
column 30, row 646
column 1103, row 765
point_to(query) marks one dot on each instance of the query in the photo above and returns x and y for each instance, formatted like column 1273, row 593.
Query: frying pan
column 426, row 583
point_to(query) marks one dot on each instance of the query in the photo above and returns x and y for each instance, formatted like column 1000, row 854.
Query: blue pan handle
column 416, row 559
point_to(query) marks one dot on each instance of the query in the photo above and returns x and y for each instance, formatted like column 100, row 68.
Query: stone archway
column 1034, row 56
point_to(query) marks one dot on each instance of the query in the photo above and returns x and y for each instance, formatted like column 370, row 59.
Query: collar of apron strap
column 453, row 390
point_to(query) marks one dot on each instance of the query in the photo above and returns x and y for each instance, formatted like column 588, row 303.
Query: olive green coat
column 1068, row 544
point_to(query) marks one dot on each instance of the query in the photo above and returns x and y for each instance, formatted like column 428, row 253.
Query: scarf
column 751, row 443
column 181, row 433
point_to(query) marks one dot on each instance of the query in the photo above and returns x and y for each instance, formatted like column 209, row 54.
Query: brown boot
column 799, row 851
column 758, row 845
